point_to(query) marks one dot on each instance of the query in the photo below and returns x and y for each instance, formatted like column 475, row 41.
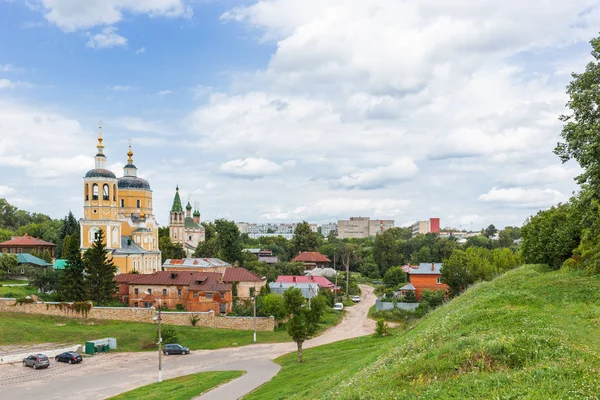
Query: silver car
column 37, row 361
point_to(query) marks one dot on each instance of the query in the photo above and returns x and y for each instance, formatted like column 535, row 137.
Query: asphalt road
column 109, row 374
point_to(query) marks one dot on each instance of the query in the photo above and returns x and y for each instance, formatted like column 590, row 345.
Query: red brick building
column 425, row 276
column 312, row 259
column 27, row 244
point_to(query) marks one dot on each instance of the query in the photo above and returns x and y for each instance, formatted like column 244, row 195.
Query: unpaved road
column 106, row 375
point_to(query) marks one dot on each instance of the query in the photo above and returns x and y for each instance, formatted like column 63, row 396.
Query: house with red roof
column 244, row 282
column 312, row 260
column 27, row 244
column 321, row 281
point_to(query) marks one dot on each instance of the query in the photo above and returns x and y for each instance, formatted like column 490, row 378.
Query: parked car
column 37, row 361
column 69, row 357
column 338, row 306
column 175, row 349
column 356, row 299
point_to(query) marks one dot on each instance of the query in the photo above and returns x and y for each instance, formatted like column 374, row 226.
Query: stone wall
column 205, row 319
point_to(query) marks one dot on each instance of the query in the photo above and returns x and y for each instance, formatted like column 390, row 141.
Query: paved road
column 106, row 375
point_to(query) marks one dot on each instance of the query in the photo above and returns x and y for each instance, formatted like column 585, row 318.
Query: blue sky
column 283, row 110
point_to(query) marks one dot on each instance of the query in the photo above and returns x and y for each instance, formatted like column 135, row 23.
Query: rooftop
column 319, row 280
column 423, row 269
column 311, row 256
column 26, row 241
column 195, row 263
column 240, row 275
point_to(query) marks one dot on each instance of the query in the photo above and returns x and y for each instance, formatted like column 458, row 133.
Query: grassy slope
column 529, row 334
column 30, row 328
column 182, row 388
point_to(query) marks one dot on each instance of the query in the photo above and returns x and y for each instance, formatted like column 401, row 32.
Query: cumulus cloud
column 6, row 190
column 71, row 16
column 250, row 167
column 121, row 88
column 373, row 178
column 528, row 198
column 8, row 84
column 141, row 50
column 164, row 92
column 106, row 39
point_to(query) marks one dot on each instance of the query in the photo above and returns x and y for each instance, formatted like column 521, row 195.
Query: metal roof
column 25, row 258
column 425, row 269
column 240, row 275
column 26, row 241
column 408, row 287
column 133, row 182
column 195, row 263
column 128, row 246
column 100, row 173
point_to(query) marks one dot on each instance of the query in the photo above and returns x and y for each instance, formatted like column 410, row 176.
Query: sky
column 291, row 110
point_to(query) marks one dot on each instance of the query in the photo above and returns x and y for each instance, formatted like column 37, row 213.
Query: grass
column 17, row 291
column 17, row 328
column 12, row 282
column 181, row 388
column 529, row 334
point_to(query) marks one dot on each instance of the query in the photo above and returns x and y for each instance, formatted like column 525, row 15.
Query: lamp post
column 159, row 319
column 254, row 304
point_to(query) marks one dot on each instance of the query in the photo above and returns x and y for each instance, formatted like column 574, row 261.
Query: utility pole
column 159, row 343
column 254, row 303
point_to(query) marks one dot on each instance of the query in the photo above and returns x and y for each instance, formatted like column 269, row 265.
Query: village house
column 265, row 256
column 321, row 281
column 309, row 290
column 312, row 260
column 244, row 282
column 424, row 276
column 27, row 244
column 196, row 265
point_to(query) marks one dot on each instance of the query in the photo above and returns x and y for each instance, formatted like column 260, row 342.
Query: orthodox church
column 122, row 208
column 186, row 231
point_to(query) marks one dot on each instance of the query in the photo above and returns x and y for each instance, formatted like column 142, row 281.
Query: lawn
column 529, row 334
column 16, row 328
column 17, row 291
column 181, row 388
column 12, row 282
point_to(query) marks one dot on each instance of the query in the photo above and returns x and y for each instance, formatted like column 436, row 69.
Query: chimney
column 433, row 266
column 294, row 278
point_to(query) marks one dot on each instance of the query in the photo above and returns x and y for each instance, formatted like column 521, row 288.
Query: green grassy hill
column 529, row 334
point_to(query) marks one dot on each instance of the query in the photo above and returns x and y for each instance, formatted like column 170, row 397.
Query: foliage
column 388, row 250
column 168, row 334
column 304, row 239
column 228, row 239
column 490, row 231
column 100, row 272
column 274, row 304
column 430, row 299
column 182, row 388
column 23, row 300
column 70, row 227
column 394, row 276
column 71, row 284
column 169, row 250
column 194, row 319
column 44, row 279
column 304, row 321
column 179, row 307
column 409, row 297
column 8, row 264
column 397, row 315
column 382, row 328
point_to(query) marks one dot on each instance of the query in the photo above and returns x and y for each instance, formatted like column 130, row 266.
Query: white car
column 356, row 299
column 338, row 306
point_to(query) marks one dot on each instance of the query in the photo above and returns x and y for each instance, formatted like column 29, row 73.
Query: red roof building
column 323, row 282
column 312, row 259
column 27, row 244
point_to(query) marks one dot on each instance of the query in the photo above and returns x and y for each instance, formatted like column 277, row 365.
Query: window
column 164, row 292
column 148, row 304
column 190, row 238
column 439, row 280
column 87, row 192
column 136, row 291
column 148, row 203
column 149, row 291
column 179, row 293
column 122, row 203
column 12, row 250
column 114, row 193
column 115, row 235
column 222, row 295
column 5, row 250
column 209, row 296
column 105, row 193
column 195, row 295
column 19, row 251
column 95, row 192
column 138, row 203
column 135, row 305
column 22, row 271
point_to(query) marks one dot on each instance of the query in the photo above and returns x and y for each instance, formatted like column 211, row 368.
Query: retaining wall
column 385, row 305
column 132, row 314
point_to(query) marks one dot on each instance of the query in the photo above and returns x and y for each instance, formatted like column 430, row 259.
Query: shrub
column 179, row 307
column 409, row 297
column 382, row 328
column 194, row 319
column 394, row 315
column 168, row 333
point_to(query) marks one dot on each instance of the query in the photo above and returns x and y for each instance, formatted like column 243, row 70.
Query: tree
column 304, row 321
column 490, row 231
column 304, row 239
column 71, row 285
column 228, row 240
column 70, row 227
column 44, row 279
column 274, row 305
column 100, row 272
column 394, row 276
column 169, row 249
column 8, row 264
column 581, row 129
column 478, row 241
column 455, row 272
column 387, row 250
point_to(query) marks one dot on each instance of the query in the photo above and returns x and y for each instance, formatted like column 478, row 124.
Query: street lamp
column 159, row 319
column 254, row 304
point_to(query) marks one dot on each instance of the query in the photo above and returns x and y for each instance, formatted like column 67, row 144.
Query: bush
column 395, row 315
column 409, row 297
column 179, row 307
column 168, row 333
column 194, row 319
column 382, row 328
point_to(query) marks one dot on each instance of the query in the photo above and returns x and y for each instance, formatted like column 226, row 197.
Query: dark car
column 175, row 349
column 37, row 361
column 69, row 357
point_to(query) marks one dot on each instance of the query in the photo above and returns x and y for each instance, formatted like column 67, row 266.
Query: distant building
column 195, row 264
column 265, row 256
column 312, row 259
column 425, row 227
column 256, row 231
column 309, row 290
column 362, row 227
column 326, row 229
column 27, row 244
column 186, row 231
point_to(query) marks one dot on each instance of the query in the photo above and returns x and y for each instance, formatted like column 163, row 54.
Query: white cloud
column 106, row 39
column 121, row 88
column 164, row 92
column 6, row 190
column 141, row 50
column 72, row 15
column 548, row 174
column 373, row 178
column 519, row 197
column 8, row 84
column 250, row 167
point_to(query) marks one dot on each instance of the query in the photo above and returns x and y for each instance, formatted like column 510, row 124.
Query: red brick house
column 195, row 291
column 27, row 244
column 312, row 259
column 425, row 276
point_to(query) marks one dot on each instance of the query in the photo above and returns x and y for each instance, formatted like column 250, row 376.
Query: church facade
column 185, row 230
column 122, row 208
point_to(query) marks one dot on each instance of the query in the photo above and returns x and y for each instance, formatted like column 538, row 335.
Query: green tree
column 478, row 241
column 455, row 272
column 304, row 239
column 228, row 240
column 100, row 272
column 169, row 250
column 581, row 129
column 44, row 279
column 490, row 231
column 71, row 285
column 304, row 321
column 274, row 305
column 70, row 227
column 508, row 236
column 388, row 250
column 394, row 276
column 8, row 264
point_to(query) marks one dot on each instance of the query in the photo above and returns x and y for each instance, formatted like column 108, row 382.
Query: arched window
column 105, row 193
column 122, row 203
column 138, row 203
column 148, row 203
column 87, row 192
column 94, row 232
column 114, row 192
column 95, row 192
column 115, row 235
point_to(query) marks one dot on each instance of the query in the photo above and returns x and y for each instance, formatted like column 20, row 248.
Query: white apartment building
column 362, row 227
column 256, row 230
column 329, row 227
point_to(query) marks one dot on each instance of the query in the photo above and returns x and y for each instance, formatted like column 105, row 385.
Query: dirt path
column 109, row 374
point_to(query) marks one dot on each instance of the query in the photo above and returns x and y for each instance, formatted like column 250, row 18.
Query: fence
column 385, row 305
